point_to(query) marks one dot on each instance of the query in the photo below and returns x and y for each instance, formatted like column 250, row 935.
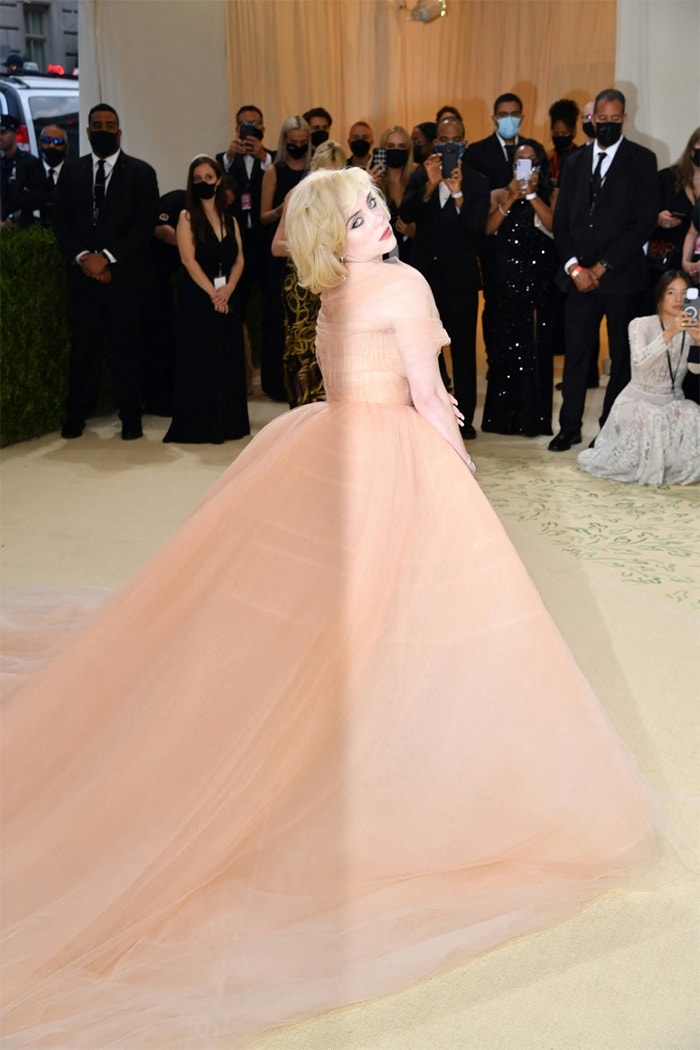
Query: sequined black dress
column 519, row 334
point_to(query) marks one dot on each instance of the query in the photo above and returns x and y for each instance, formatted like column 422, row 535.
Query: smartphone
column 691, row 304
column 450, row 157
column 248, row 131
column 523, row 169
column 379, row 158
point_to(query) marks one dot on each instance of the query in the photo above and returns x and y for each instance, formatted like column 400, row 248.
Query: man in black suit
column 246, row 160
column 53, row 149
column 106, row 208
column 493, row 156
column 450, row 213
column 606, row 211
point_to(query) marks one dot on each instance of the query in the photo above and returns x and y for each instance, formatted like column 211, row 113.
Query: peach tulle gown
column 326, row 743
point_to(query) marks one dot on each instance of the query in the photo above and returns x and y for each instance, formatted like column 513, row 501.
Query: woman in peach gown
column 328, row 741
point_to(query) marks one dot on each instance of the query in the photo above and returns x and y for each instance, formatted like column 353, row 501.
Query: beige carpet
column 619, row 568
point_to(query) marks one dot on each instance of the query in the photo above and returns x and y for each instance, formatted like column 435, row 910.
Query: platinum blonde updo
column 316, row 224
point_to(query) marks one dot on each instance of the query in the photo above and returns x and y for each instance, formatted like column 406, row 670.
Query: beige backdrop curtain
column 365, row 59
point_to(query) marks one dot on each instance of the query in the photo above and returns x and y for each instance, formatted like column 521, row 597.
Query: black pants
column 458, row 313
column 97, row 312
column 584, row 312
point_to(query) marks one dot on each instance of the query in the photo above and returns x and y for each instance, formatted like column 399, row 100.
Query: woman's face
column 396, row 141
column 298, row 138
column 420, row 141
column 205, row 173
column 671, row 302
column 368, row 233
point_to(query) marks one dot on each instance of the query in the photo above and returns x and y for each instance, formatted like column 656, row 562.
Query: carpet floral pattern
column 641, row 534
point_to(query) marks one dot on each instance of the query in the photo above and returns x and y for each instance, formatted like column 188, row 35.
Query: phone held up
column 450, row 158
column 523, row 171
column 249, row 131
column 691, row 309
column 379, row 159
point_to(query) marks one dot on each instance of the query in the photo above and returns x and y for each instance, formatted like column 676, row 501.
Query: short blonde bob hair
column 316, row 223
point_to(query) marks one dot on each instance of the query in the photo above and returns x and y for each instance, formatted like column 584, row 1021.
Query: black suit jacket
column 444, row 249
column 622, row 221
column 486, row 156
column 244, row 184
column 43, row 195
column 125, row 223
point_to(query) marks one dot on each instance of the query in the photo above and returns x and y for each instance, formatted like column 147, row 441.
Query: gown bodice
column 370, row 330
column 658, row 368
column 216, row 256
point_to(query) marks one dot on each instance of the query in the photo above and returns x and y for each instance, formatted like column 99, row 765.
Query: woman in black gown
column 210, row 400
column 520, row 339
column 290, row 167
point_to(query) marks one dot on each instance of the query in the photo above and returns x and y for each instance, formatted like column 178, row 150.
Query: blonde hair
column 328, row 155
column 295, row 123
column 408, row 164
column 315, row 224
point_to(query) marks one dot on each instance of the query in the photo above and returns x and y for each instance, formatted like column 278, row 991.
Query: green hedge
column 33, row 334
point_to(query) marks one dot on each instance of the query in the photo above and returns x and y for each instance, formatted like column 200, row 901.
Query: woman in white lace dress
column 652, row 435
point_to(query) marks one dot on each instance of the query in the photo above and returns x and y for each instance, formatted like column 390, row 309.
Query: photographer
column 652, row 435
column 449, row 203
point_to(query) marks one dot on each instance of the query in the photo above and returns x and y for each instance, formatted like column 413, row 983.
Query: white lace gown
column 652, row 435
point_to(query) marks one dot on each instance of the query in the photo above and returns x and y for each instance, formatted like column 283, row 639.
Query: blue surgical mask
column 508, row 127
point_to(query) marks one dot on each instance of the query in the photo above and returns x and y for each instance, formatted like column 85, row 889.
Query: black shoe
column 563, row 441
column 131, row 431
column 468, row 432
column 72, row 428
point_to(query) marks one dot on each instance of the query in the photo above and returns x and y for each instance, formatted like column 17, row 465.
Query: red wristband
column 575, row 271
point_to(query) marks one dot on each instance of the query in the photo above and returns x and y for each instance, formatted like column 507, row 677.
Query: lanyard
column 671, row 373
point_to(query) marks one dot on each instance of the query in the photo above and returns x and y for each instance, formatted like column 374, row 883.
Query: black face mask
column 104, row 143
column 318, row 136
column 695, row 157
column 204, row 190
column 297, row 152
column 607, row 134
column 360, row 147
column 396, row 158
column 588, row 128
column 562, row 142
column 418, row 154
column 53, row 157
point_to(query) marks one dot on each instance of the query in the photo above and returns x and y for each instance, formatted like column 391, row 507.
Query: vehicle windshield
column 58, row 109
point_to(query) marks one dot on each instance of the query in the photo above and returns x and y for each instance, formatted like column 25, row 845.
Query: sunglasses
column 46, row 140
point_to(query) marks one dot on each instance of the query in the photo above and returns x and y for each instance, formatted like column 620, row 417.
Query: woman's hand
column 433, row 169
column 454, row 183
column 455, row 406
column 667, row 220
column 407, row 229
column 690, row 325
column 376, row 172
column 219, row 299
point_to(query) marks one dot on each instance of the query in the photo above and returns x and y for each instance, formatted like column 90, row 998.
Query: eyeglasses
column 47, row 140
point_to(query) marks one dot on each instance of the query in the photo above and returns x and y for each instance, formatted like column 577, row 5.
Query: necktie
column 510, row 152
column 596, row 178
column 99, row 185
column 52, row 178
